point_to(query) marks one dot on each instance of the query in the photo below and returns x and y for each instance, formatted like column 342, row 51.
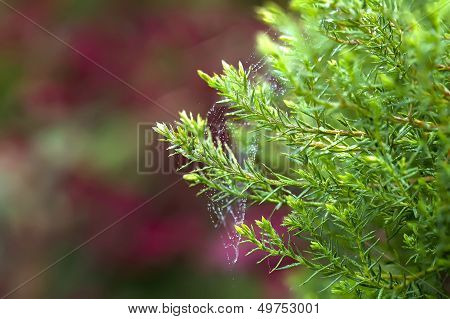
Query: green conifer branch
column 360, row 110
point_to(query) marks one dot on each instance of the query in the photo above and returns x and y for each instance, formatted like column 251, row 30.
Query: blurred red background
column 68, row 149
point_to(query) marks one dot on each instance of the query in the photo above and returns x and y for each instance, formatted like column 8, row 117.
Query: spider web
column 226, row 213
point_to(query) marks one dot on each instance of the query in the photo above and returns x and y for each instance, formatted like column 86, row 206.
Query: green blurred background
column 68, row 150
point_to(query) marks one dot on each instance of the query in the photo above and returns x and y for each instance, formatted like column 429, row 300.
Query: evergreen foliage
column 360, row 110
